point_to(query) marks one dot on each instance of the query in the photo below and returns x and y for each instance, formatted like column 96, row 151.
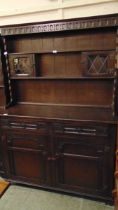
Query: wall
column 15, row 12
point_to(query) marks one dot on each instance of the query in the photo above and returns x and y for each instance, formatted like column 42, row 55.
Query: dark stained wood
column 66, row 112
column 2, row 96
column 3, row 185
column 73, row 42
column 65, row 91
column 59, row 128
column 26, row 161
column 85, row 157
column 60, row 65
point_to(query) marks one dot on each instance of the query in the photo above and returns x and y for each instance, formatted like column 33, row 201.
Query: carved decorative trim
column 115, row 89
column 114, row 96
column 61, row 26
column 117, row 50
column 8, row 73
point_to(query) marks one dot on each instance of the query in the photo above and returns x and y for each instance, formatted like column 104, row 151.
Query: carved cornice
column 61, row 26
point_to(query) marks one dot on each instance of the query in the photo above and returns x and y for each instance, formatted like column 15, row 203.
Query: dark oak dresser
column 59, row 106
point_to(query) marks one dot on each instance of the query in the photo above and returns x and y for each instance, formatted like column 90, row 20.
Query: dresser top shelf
column 59, row 112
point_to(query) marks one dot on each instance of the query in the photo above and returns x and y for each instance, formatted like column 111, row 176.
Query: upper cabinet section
column 63, row 64
column 74, row 54
column 77, row 48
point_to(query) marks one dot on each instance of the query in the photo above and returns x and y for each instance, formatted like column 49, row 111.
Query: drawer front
column 87, row 130
column 25, row 124
column 27, row 141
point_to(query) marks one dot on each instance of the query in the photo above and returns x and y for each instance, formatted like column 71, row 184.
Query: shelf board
column 62, row 78
column 66, row 105
column 57, row 112
column 54, row 51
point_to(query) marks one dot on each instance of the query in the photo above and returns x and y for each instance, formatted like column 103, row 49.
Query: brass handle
column 53, row 158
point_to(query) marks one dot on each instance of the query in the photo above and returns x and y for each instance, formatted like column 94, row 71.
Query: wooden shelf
column 63, row 78
column 57, row 112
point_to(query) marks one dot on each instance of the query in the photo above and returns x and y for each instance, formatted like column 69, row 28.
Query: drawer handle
column 30, row 126
column 26, row 125
column 81, row 131
column 15, row 125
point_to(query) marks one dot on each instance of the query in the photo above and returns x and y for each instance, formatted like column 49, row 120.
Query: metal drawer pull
column 26, row 125
column 89, row 130
column 16, row 125
column 30, row 126
column 82, row 131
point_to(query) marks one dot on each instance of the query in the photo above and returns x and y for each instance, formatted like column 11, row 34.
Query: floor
column 23, row 198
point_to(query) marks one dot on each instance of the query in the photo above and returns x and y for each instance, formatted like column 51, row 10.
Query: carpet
column 24, row 198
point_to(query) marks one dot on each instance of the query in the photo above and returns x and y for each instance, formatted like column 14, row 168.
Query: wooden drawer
column 16, row 140
column 78, row 129
column 24, row 124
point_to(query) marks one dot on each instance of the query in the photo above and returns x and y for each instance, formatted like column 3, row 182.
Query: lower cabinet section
column 66, row 157
column 25, row 157
column 83, row 165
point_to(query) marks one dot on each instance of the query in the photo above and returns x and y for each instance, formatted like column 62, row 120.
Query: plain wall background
column 24, row 11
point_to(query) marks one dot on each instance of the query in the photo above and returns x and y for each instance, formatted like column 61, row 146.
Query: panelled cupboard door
column 25, row 157
column 83, row 165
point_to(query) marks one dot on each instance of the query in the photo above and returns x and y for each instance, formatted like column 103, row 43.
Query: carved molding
column 61, row 26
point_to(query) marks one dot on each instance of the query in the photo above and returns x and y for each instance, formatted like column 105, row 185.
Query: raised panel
column 28, row 142
column 26, row 157
column 30, row 165
column 80, row 172
column 82, row 164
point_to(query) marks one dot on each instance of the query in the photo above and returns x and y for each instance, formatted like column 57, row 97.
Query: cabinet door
column 84, row 164
column 25, row 157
